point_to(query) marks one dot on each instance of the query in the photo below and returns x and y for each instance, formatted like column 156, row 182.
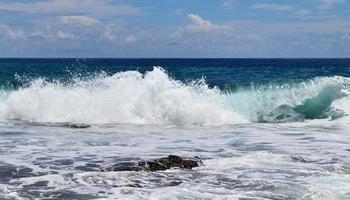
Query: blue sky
column 175, row 28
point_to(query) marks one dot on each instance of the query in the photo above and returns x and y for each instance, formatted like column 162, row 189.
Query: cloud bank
column 101, row 28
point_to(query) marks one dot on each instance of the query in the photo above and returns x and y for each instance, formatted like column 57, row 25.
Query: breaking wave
column 155, row 98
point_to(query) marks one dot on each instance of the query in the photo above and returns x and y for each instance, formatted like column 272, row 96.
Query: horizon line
column 213, row 58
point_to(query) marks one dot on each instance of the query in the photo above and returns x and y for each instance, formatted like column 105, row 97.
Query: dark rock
column 78, row 126
column 172, row 161
column 156, row 166
column 189, row 164
column 174, row 183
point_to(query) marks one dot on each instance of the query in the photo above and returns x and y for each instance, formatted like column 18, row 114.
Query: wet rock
column 78, row 126
column 174, row 183
column 172, row 161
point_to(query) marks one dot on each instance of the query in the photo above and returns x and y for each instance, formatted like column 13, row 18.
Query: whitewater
column 155, row 98
column 270, row 140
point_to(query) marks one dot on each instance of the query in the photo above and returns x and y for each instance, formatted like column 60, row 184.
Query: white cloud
column 10, row 32
column 303, row 13
column 120, row 35
column 131, row 39
column 328, row 4
column 200, row 37
column 80, row 20
column 295, row 11
column 274, row 7
column 93, row 7
column 41, row 35
column 197, row 23
column 109, row 32
column 228, row 5
column 199, row 33
column 259, row 39
column 65, row 35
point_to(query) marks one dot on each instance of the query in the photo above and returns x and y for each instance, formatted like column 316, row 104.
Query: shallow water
column 257, row 161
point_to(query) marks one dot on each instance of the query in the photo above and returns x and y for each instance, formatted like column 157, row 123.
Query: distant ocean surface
column 264, row 128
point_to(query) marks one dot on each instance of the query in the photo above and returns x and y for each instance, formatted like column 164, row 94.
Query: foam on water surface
column 155, row 98
column 260, row 161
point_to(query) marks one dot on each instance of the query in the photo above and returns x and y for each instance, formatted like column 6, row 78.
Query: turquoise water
column 265, row 128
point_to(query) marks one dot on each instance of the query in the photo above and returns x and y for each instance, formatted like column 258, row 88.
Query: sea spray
column 154, row 97
column 124, row 98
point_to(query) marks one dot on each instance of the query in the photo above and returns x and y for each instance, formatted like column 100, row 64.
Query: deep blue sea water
column 217, row 72
column 265, row 128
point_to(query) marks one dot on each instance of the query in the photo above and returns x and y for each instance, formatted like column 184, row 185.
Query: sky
column 175, row 28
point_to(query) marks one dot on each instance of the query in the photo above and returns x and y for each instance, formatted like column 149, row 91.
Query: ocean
column 263, row 128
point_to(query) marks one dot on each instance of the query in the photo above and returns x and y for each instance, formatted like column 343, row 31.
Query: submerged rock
column 172, row 161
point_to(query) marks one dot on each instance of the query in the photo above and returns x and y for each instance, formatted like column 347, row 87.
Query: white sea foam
column 155, row 98
column 219, row 178
column 125, row 97
column 5, row 194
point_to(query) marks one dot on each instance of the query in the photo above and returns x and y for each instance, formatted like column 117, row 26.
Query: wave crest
column 155, row 98
column 126, row 97
column 313, row 99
